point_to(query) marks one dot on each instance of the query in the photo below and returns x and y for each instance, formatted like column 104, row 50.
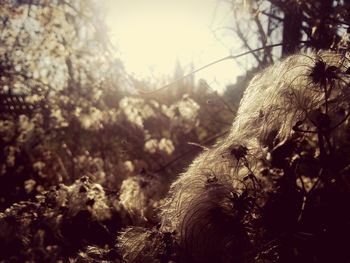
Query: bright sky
column 152, row 35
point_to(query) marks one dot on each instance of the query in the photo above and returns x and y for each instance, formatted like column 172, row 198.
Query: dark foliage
column 88, row 173
column 260, row 198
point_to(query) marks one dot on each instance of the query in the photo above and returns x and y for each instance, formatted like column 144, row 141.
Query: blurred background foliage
column 82, row 153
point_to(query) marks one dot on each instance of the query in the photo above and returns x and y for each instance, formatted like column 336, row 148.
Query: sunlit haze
column 152, row 36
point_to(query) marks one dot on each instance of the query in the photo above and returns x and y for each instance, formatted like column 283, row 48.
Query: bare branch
column 208, row 65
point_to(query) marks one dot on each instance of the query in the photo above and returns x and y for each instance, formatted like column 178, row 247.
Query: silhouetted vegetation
column 93, row 171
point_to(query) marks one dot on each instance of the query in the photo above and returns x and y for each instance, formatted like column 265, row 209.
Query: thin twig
column 198, row 145
column 208, row 65
column 280, row 19
column 210, row 139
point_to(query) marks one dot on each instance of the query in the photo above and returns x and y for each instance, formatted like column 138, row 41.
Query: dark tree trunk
column 291, row 29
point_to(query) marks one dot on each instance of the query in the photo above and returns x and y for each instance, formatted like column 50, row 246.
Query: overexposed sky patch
column 153, row 35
